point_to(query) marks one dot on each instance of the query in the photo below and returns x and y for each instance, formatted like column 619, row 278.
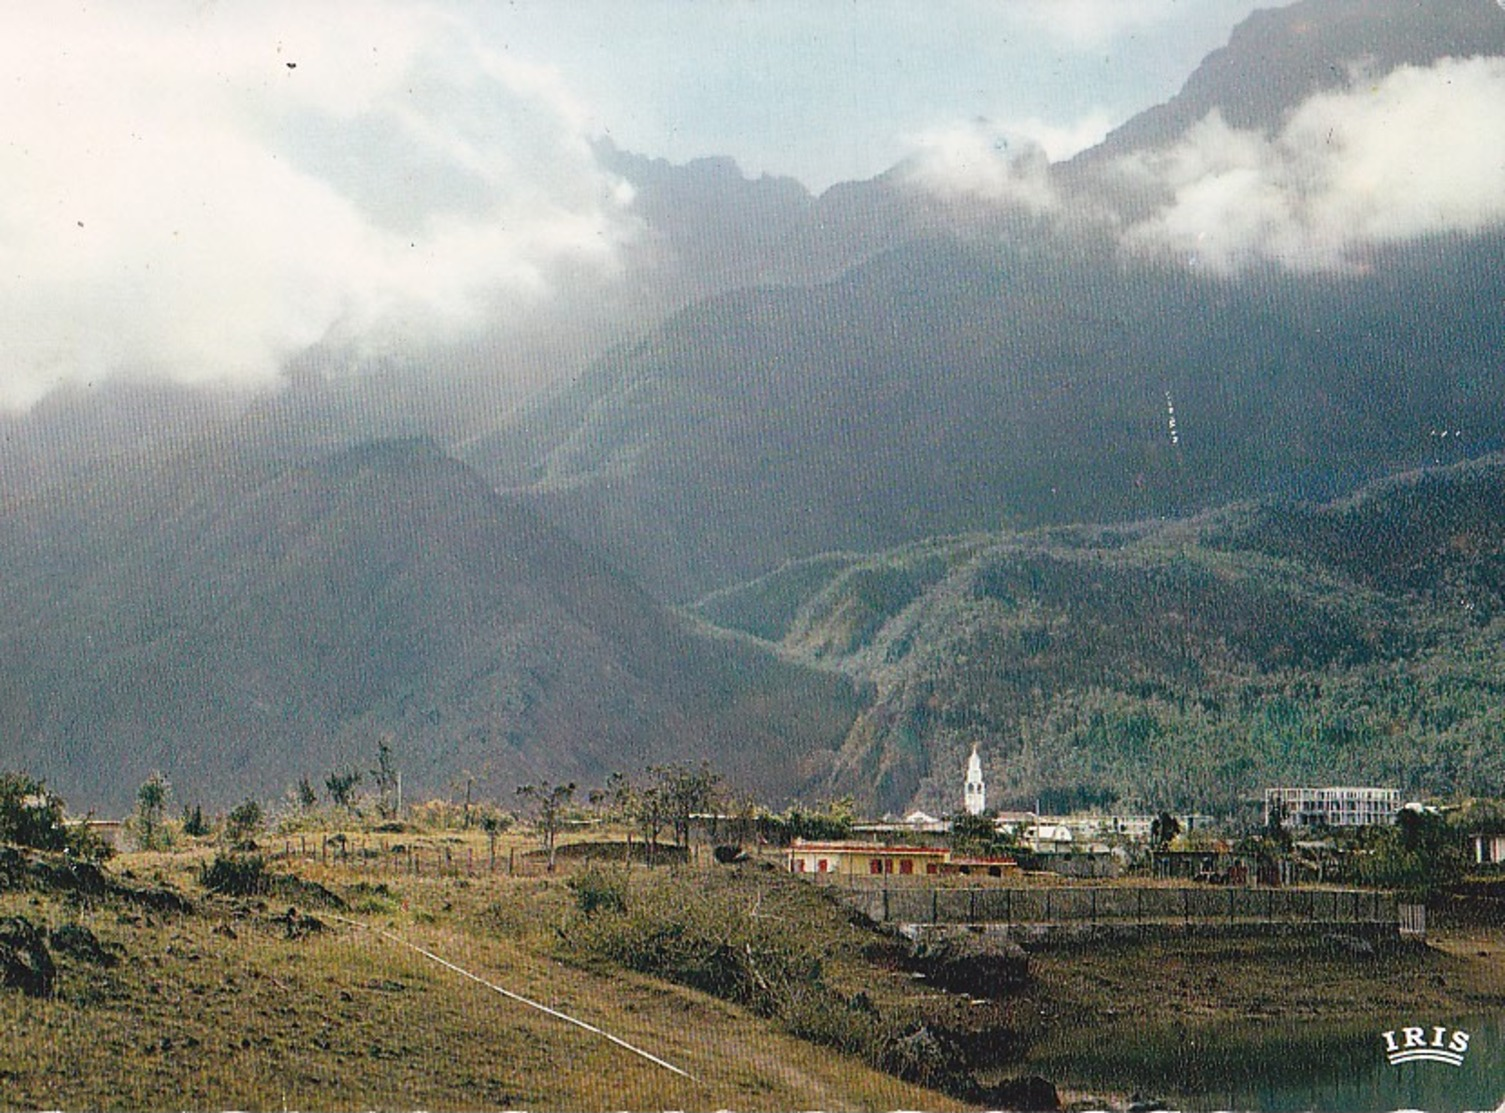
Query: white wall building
column 1335, row 807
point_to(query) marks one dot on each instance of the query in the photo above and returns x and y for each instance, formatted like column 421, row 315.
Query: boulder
column 979, row 963
column 25, row 962
column 79, row 942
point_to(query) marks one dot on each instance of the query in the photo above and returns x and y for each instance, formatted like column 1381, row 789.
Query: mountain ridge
column 280, row 630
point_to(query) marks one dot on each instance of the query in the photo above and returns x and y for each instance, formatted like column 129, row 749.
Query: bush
column 236, row 875
column 599, row 890
column 706, row 938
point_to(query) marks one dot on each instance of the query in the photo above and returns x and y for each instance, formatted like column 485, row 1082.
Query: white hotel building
column 1335, row 807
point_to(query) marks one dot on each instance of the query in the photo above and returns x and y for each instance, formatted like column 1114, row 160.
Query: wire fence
column 417, row 859
column 1125, row 905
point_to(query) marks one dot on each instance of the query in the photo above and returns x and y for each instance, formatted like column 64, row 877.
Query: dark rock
column 977, row 963
column 926, row 1057
column 70, row 875
column 81, row 943
column 156, row 899
column 1030, row 1094
column 304, row 891
column 25, row 963
column 297, row 925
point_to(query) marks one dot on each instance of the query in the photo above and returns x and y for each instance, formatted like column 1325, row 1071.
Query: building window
column 906, row 866
column 799, row 865
column 875, row 866
column 820, row 866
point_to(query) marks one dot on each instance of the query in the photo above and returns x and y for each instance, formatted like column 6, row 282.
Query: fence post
column 1008, row 906
column 971, row 906
column 885, row 904
column 935, row 907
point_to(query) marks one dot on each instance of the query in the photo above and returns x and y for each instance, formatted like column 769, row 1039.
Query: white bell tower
column 975, row 797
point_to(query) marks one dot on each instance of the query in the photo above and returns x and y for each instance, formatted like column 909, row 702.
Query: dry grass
column 223, row 1008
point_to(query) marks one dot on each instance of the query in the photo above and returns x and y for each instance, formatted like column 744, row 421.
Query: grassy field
column 242, row 1002
column 236, row 1004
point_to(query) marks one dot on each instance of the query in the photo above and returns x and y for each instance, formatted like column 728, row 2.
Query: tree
column 640, row 806
column 1275, row 831
column 244, row 821
column 388, row 780
column 307, row 797
column 194, row 824
column 685, row 792
column 29, row 814
column 1420, row 855
column 341, row 787
column 1163, row 830
column 493, row 823
column 548, row 802
column 151, row 803
column 972, row 834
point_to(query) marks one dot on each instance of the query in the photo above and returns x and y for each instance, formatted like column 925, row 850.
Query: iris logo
column 1435, row 1045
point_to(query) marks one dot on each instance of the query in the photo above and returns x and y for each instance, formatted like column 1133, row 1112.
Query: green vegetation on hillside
column 1181, row 665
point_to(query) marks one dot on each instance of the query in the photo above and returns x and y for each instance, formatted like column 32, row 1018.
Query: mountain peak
column 1279, row 57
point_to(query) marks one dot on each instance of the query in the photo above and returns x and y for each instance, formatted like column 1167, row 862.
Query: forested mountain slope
column 1170, row 664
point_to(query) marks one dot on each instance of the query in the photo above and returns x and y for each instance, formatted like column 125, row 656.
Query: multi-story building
column 1332, row 807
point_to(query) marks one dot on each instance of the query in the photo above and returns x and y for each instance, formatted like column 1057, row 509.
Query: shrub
column 237, row 875
column 706, row 938
column 599, row 890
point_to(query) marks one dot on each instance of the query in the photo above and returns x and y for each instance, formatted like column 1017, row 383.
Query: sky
column 838, row 90
column 203, row 189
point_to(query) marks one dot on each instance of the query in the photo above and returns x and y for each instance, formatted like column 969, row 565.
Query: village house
column 864, row 859
column 858, row 860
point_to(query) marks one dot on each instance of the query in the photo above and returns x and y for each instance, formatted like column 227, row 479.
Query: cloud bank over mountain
column 1418, row 152
column 200, row 193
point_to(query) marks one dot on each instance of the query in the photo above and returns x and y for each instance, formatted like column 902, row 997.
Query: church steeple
column 975, row 796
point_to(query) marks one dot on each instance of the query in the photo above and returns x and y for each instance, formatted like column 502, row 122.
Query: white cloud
column 201, row 191
column 976, row 160
column 1418, row 152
